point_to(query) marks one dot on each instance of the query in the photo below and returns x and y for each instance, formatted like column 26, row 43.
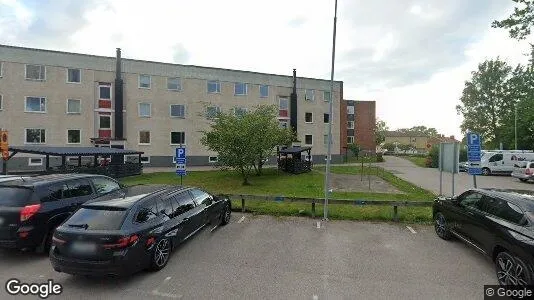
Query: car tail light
column 150, row 241
column 28, row 211
column 123, row 242
column 23, row 234
column 528, row 171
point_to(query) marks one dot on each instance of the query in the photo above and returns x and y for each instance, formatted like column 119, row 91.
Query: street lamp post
column 515, row 125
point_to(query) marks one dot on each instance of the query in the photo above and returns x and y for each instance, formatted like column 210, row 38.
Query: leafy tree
column 242, row 141
column 404, row 147
column 354, row 148
column 380, row 131
column 520, row 22
column 389, row 146
column 486, row 101
column 429, row 131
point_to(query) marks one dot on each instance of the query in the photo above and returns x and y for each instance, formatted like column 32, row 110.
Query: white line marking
column 241, row 220
column 411, row 229
column 315, row 297
column 318, row 224
column 167, row 295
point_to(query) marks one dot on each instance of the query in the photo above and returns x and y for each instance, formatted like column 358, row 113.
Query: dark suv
column 32, row 207
column 498, row 223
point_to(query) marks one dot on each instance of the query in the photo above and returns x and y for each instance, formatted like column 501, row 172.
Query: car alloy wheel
column 161, row 253
column 486, row 171
column 227, row 215
column 510, row 271
column 440, row 225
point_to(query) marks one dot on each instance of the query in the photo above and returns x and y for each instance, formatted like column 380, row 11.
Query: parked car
column 524, row 170
column 4, row 178
column 123, row 235
column 497, row 223
column 463, row 166
column 32, row 207
column 503, row 161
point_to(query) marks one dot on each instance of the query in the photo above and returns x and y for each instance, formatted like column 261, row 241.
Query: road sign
column 180, row 152
column 4, row 146
column 473, row 154
column 180, row 159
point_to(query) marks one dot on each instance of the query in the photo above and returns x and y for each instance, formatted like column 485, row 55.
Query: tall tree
column 380, row 131
column 430, row 131
column 485, row 101
column 520, row 22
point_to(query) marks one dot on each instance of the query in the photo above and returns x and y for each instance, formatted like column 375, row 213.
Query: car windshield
column 96, row 218
column 14, row 196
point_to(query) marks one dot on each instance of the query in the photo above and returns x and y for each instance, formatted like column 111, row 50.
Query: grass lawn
column 420, row 161
column 360, row 159
column 303, row 185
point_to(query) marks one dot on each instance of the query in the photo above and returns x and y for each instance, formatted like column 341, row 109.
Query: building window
column 35, row 72
column 350, row 140
column 240, row 111
column 35, row 136
column 35, row 161
column 350, row 124
column 240, row 88
column 72, row 160
column 283, row 108
column 212, row 112
column 174, row 84
column 327, row 96
column 264, row 91
column 105, row 92
column 145, row 159
column 104, row 122
column 308, row 139
column 283, row 124
column 308, row 117
column 144, row 137
column 326, row 118
column 177, row 138
column 309, row 95
column 144, row 81
column 350, row 110
column 35, row 104
column 74, row 136
column 145, row 110
column 214, row 87
column 213, row 159
column 74, row 106
column 74, row 75
column 177, row 111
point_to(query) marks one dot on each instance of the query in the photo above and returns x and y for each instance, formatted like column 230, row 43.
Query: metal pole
column 475, row 181
column 452, row 183
column 515, row 125
column 330, row 111
column 440, row 172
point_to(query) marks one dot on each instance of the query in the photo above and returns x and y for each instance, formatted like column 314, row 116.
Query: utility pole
column 515, row 125
column 330, row 111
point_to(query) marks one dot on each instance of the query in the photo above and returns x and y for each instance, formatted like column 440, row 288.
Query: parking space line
column 241, row 220
column 156, row 291
column 411, row 229
column 318, row 224
column 315, row 297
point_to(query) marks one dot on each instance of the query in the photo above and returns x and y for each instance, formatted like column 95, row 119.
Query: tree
column 429, row 131
column 380, row 131
column 389, row 147
column 241, row 141
column 485, row 101
column 519, row 23
column 354, row 148
column 405, row 148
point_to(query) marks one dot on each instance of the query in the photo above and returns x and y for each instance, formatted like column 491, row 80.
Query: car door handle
column 470, row 213
column 185, row 219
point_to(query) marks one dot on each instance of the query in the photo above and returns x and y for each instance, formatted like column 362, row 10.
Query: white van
column 503, row 161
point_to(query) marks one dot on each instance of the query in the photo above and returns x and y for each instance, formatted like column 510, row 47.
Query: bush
column 389, row 146
column 379, row 157
column 434, row 157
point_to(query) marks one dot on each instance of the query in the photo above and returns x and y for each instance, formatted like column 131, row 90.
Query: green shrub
column 379, row 157
column 434, row 156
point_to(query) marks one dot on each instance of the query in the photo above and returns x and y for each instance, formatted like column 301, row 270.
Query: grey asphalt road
column 428, row 178
column 264, row 257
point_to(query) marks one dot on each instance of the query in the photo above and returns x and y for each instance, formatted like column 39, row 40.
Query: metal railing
column 313, row 201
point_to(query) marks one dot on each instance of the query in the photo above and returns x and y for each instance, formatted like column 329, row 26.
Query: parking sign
column 473, row 153
column 180, row 160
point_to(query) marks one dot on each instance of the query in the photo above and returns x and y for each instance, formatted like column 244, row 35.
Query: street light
column 515, row 124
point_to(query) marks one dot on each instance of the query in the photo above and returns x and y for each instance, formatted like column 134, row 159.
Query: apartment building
column 68, row 99
column 358, row 124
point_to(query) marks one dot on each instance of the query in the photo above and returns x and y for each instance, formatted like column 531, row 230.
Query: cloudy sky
column 411, row 56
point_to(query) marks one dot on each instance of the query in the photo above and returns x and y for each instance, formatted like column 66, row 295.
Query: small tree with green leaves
column 405, row 148
column 355, row 149
column 389, row 146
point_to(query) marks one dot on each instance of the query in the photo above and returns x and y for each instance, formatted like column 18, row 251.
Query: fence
column 393, row 203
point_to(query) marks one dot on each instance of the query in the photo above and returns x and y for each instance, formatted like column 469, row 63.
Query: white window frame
column 110, row 92
column 219, row 110
column 324, row 98
column 287, row 109
column 67, row 80
column 211, row 161
column 139, row 138
column 170, row 138
column 177, row 117
column 218, row 84
column 147, row 161
column 350, row 109
column 305, row 139
column 350, row 137
column 32, row 164
column 73, row 113
column 35, row 112
column 31, row 143
column 286, row 121
column 264, row 85
column 240, row 107
column 26, row 72
column 110, row 122
column 245, row 87
column 349, row 124
column 149, row 81
column 149, row 110
column 179, row 84
column 312, row 95
column 328, row 118
column 68, row 136
column 310, row 122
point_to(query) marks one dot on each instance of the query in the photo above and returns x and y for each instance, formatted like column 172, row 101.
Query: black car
column 498, row 223
column 32, row 207
column 136, row 231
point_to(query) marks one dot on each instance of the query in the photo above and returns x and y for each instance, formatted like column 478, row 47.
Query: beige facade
column 193, row 94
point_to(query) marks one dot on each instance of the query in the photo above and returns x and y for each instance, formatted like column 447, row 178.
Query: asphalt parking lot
column 264, row 257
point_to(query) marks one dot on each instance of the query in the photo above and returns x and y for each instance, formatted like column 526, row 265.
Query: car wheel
column 523, row 179
column 161, row 254
column 512, row 270
column 227, row 213
column 441, row 227
column 486, row 171
column 48, row 241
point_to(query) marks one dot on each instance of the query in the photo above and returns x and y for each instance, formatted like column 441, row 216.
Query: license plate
column 83, row 248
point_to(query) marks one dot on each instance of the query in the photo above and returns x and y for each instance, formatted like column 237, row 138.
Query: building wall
column 365, row 124
column 94, row 69
column 420, row 142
